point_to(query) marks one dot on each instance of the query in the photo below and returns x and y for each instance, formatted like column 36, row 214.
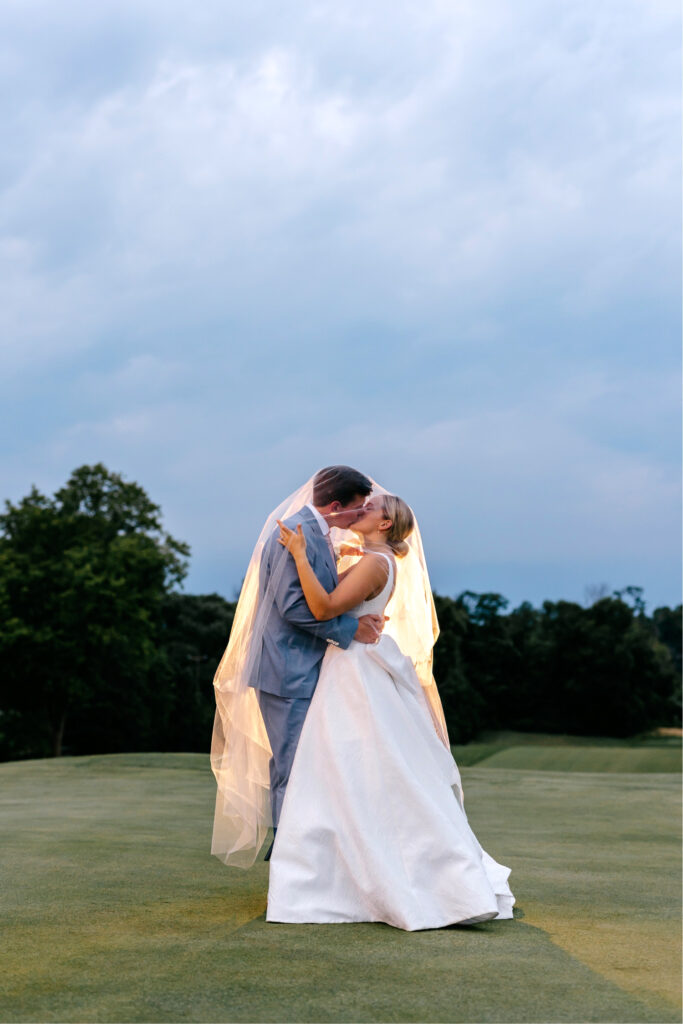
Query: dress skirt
column 373, row 827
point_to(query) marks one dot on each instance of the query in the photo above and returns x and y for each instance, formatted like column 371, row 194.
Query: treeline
column 605, row 670
column 100, row 651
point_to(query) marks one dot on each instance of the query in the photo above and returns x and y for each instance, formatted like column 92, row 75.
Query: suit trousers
column 283, row 718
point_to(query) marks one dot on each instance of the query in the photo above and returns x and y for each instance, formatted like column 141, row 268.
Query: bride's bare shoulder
column 377, row 571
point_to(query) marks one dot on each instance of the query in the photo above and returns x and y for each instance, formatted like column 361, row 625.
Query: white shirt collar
column 322, row 523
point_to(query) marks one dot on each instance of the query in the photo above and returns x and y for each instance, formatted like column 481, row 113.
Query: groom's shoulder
column 303, row 516
column 294, row 519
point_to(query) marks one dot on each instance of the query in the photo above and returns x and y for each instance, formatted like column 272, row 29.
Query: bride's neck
column 375, row 542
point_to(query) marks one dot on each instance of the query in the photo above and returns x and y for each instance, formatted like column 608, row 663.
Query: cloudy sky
column 438, row 241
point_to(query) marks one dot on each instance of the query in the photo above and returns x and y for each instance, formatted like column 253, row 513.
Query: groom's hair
column 339, row 483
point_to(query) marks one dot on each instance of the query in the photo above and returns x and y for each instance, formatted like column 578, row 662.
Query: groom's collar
column 322, row 523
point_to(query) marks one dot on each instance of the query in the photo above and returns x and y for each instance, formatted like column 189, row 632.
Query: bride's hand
column 295, row 542
column 349, row 549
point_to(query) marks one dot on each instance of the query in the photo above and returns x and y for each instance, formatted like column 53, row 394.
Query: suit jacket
column 294, row 642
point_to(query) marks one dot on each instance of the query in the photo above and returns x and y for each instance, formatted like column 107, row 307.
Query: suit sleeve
column 291, row 603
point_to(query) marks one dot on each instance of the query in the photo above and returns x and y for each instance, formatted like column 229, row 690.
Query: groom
column 294, row 642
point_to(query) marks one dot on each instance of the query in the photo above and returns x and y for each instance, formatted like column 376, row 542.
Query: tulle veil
column 240, row 750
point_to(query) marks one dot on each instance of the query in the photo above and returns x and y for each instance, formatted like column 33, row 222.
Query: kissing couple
column 329, row 725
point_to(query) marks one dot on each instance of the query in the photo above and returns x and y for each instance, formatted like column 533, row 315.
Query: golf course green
column 113, row 908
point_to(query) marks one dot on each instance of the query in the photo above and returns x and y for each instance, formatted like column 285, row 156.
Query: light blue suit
column 293, row 646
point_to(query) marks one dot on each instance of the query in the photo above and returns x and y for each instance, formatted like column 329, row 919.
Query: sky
column 439, row 242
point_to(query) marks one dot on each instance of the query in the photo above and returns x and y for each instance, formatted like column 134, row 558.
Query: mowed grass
column 546, row 752
column 114, row 910
column 585, row 759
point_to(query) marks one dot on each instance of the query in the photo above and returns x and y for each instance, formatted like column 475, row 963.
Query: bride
column 373, row 825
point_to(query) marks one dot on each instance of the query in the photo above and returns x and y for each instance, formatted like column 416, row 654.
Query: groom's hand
column 369, row 628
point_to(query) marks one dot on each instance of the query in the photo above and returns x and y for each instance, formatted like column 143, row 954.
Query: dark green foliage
column 604, row 670
column 83, row 576
column 195, row 631
column 666, row 627
column 462, row 702
column 100, row 652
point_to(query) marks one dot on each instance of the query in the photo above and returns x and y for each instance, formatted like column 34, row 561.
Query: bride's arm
column 348, row 549
column 358, row 583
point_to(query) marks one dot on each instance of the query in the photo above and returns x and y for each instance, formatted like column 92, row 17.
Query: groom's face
column 346, row 515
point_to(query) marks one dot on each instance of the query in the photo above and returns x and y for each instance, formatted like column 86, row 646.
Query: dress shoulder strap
column 391, row 573
column 388, row 557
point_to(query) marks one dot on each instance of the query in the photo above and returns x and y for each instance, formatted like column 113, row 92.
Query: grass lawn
column 114, row 910
column 551, row 752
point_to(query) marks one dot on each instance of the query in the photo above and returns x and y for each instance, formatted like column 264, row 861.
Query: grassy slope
column 114, row 909
column 585, row 759
column 549, row 752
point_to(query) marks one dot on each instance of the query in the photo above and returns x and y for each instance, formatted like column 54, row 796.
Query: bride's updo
column 402, row 523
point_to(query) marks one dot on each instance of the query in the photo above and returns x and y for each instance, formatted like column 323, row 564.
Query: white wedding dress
column 372, row 827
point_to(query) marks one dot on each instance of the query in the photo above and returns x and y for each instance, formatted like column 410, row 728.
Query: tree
column 667, row 624
column 462, row 703
column 489, row 654
column 604, row 673
column 603, row 670
column 194, row 633
column 82, row 578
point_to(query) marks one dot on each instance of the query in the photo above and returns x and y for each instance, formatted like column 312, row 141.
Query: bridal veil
column 240, row 751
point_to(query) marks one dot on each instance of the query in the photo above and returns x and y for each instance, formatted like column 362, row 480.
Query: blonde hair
column 402, row 523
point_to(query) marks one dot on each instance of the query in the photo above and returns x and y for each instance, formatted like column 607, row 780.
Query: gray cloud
column 435, row 240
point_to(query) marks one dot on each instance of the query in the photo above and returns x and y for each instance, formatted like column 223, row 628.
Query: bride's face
column 345, row 516
column 373, row 515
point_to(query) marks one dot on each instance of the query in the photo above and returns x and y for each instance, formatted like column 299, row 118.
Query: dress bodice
column 376, row 605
